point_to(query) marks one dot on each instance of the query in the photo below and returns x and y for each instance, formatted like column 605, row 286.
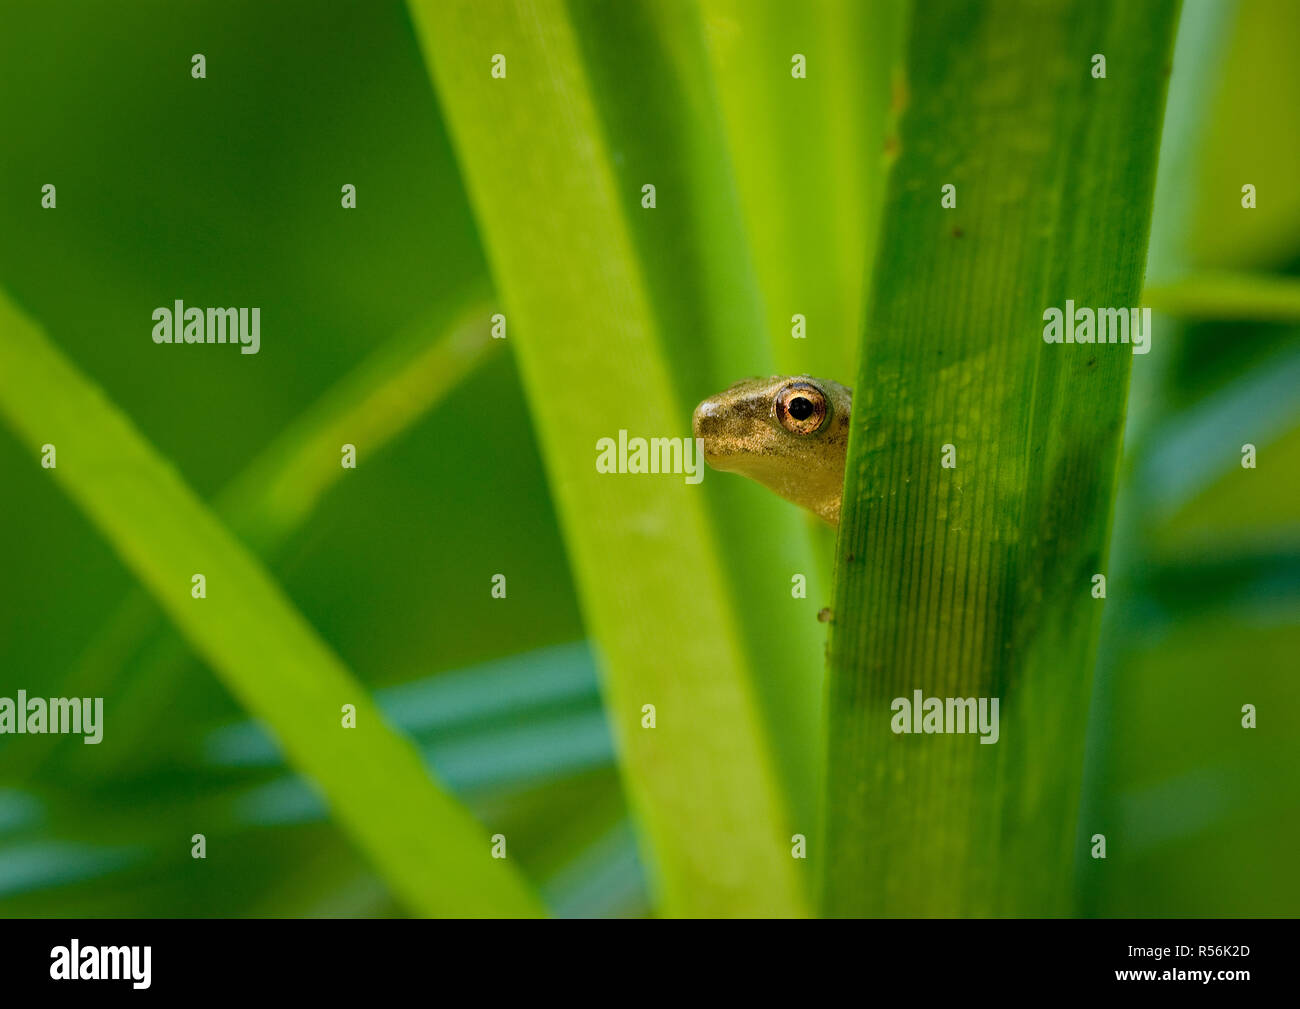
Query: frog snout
column 710, row 424
column 707, row 422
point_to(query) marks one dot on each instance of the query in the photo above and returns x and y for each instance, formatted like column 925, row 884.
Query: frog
column 788, row 433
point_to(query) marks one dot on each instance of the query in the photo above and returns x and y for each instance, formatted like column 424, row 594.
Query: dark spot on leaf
column 957, row 232
column 824, row 614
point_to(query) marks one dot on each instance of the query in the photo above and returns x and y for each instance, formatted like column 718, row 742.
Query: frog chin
column 726, row 462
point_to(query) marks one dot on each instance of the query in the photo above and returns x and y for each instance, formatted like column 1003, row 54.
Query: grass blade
column 810, row 159
column 648, row 66
column 388, row 393
column 428, row 848
column 554, row 219
column 975, row 581
column 1227, row 296
column 265, row 504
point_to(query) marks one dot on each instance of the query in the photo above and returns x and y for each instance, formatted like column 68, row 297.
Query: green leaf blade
column 975, row 581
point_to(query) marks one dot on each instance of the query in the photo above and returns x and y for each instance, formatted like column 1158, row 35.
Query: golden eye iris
column 800, row 408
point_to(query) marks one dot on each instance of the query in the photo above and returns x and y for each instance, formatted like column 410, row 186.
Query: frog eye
column 800, row 407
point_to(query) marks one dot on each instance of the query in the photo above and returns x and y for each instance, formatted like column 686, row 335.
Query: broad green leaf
column 429, row 849
column 975, row 580
column 554, row 217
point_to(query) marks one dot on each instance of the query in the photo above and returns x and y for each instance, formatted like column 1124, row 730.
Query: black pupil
column 800, row 408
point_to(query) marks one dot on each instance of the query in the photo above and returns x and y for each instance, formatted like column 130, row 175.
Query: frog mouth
column 720, row 458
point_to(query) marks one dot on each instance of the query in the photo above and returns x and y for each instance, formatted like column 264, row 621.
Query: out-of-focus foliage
column 1204, row 614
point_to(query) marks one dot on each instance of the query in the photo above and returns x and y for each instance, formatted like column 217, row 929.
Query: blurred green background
column 225, row 192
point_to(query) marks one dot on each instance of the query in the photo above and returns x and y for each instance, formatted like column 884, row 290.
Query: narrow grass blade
column 405, row 378
column 703, row 783
column 648, row 67
column 560, row 680
column 493, row 761
column 429, row 849
column 1227, row 297
column 975, row 580
column 810, row 159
